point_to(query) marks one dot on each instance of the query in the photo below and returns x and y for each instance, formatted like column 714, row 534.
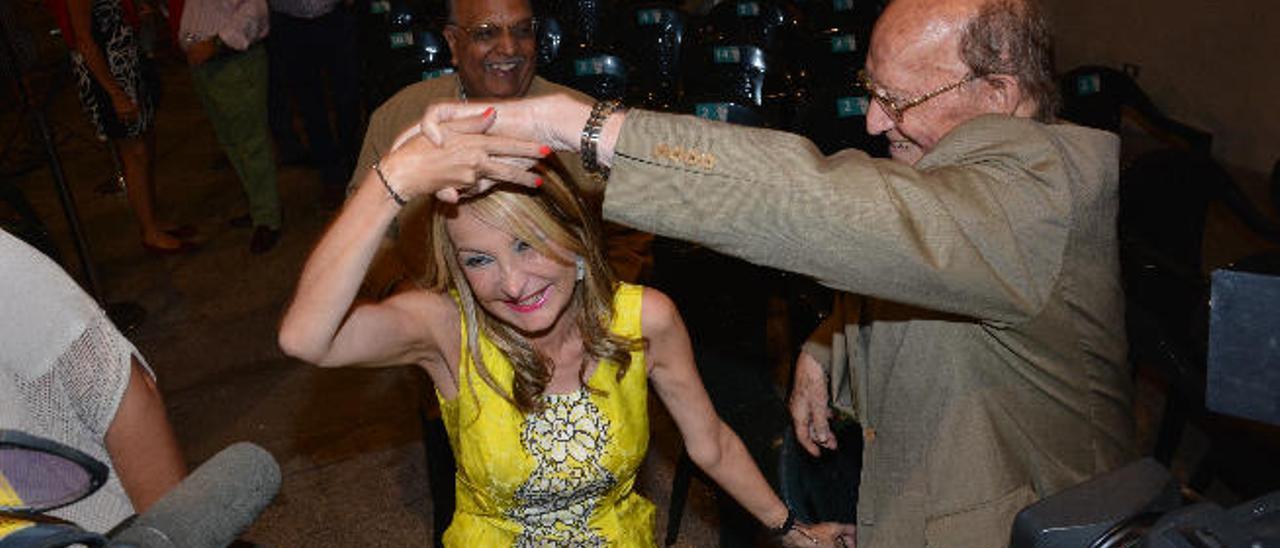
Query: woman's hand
column 201, row 52
column 456, row 158
column 823, row 535
column 126, row 110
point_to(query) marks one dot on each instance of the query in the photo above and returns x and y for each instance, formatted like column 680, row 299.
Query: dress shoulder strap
column 626, row 310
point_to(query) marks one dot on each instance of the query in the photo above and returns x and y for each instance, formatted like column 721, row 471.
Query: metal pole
column 55, row 166
column 126, row 315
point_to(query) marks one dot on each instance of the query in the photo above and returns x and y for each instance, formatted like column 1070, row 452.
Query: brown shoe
column 240, row 221
column 264, row 238
column 183, row 232
column 183, row 247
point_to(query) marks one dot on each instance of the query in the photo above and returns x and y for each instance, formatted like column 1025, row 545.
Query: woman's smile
column 530, row 303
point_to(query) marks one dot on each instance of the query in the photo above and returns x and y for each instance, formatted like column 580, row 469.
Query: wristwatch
column 590, row 139
column 190, row 39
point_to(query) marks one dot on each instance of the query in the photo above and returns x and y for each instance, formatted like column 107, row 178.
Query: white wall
column 1214, row 64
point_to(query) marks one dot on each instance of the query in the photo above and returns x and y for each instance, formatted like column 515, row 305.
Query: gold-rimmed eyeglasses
column 488, row 33
column 896, row 107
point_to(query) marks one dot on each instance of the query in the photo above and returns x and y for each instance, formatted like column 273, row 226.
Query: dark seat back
column 550, row 40
column 653, row 39
column 598, row 74
column 432, row 56
column 826, row 15
column 588, row 25
column 740, row 84
column 835, row 118
column 833, row 56
column 403, row 43
column 758, row 23
column 1099, row 97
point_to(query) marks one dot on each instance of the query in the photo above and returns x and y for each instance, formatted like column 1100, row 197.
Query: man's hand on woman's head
column 505, row 132
column 455, row 158
column 553, row 120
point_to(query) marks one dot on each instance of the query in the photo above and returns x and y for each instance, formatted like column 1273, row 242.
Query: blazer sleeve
column 978, row 227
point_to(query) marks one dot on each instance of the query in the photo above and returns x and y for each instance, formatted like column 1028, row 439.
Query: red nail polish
column 488, row 112
column 538, row 183
column 544, row 151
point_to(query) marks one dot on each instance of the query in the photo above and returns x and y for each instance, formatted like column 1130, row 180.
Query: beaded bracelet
column 789, row 525
column 395, row 196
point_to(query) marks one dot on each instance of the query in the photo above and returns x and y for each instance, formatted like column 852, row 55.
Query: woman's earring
column 582, row 268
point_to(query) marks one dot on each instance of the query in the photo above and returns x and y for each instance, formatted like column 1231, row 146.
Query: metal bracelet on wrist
column 591, row 135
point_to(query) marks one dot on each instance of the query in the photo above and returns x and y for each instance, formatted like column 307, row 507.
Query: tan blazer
column 987, row 358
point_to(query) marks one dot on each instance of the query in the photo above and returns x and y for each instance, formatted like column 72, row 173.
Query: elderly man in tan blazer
column 981, row 341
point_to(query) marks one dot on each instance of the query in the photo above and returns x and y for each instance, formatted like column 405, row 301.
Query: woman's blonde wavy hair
column 554, row 213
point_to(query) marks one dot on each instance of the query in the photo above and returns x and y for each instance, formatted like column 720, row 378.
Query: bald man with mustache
column 979, row 339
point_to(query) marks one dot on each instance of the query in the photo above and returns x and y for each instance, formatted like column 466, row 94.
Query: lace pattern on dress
column 567, row 439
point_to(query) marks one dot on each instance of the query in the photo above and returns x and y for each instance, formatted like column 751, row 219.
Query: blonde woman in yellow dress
column 541, row 360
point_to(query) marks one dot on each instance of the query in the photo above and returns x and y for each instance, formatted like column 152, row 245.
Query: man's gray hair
column 1012, row 37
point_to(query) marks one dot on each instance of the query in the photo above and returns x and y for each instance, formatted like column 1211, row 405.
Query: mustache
column 501, row 60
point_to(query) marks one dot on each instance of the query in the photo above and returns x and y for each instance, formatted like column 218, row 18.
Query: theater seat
column 835, row 118
column 550, row 40
column 595, row 73
column 653, row 38
column 760, row 23
column 740, row 84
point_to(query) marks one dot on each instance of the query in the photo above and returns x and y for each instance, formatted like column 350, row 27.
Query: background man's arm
column 143, row 448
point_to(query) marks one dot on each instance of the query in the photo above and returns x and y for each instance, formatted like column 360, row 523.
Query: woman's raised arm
column 323, row 324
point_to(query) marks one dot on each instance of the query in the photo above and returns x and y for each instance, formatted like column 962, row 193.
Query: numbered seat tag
column 727, row 54
column 1089, row 84
column 597, row 66
column 847, row 107
column 712, row 111
column 401, row 39
column 430, row 74
column 650, row 17
column 844, row 43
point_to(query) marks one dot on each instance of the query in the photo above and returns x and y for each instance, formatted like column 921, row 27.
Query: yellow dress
column 560, row 477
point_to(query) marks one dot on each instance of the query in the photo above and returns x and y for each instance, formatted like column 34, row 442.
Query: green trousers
column 233, row 89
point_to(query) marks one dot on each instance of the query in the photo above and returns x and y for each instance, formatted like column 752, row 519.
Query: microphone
column 211, row 506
